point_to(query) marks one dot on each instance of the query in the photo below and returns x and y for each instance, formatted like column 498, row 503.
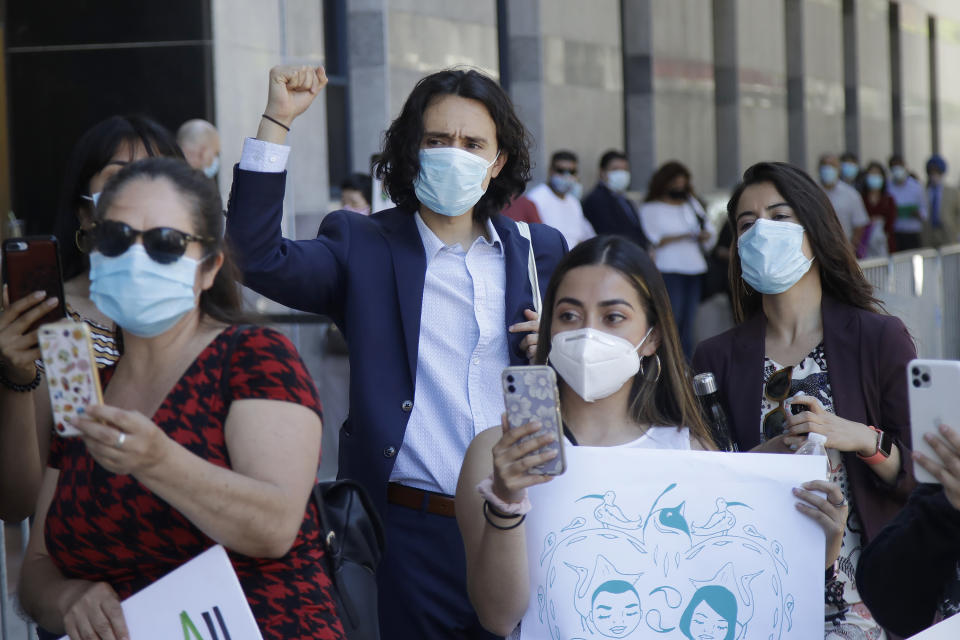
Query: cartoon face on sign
column 672, row 570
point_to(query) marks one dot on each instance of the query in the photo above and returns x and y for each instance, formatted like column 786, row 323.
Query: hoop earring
column 659, row 368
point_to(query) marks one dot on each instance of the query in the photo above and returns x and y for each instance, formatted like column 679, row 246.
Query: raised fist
column 292, row 89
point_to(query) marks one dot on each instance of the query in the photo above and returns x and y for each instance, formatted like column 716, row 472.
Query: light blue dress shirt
column 462, row 351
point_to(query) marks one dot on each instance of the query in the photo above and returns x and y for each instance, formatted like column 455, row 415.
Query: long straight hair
column 840, row 275
column 669, row 400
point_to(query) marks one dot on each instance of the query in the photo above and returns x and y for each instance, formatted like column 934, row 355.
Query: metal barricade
column 12, row 626
column 922, row 288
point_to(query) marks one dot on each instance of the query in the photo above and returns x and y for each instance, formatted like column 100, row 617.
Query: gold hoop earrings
column 659, row 368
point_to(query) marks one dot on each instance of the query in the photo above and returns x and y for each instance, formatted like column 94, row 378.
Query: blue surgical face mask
column 874, row 181
column 213, row 168
column 563, row 184
column 618, row 180
column 849, row 170
column 141, row 295
column 828, row 174
column 450, row 180
column 771, row 256
column 899, row 173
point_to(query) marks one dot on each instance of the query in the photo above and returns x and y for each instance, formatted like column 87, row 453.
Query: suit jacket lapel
column 519, row 294
column 410, row 270
column 747, row 372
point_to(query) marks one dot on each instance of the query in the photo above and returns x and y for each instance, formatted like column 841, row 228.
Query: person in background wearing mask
column 679, row 231
column 845, row 199
column 607, row 208
column 558, row 200
column 850, row 168
column 435, row 299
column 807, row 338
column 355, row 193
column 911, row 205
column 624, row 384
column 878, row 240
column 26, row 419
column 943, row 204
column 200, row 142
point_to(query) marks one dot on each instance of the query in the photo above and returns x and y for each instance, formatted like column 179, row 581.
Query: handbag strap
column 524, row 229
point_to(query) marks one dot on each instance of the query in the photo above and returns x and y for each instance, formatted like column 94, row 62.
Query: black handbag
column 353, row 541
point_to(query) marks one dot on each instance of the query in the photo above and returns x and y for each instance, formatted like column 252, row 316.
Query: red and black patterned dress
column 110, row 528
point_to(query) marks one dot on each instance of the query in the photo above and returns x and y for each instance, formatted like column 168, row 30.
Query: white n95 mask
column 450, row 180
column 593, row 363
column 771, row 256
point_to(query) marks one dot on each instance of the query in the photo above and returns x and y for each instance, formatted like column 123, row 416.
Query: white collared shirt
column 462, row 349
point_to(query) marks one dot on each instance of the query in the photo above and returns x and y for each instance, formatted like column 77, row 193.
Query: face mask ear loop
column 637, row 348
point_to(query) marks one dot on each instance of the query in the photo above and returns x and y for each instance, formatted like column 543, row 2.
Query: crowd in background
column 209, row 431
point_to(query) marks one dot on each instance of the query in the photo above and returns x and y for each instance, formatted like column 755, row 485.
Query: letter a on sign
column 189, row 629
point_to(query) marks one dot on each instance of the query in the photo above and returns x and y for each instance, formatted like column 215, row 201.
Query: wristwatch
column 884, row 447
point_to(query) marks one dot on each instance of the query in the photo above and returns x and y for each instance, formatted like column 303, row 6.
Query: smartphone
column 71, row 372
column 932, row 386
column 529, row 393
column 33, row 264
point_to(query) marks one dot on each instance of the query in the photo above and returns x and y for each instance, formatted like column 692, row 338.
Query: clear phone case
column 530, row 393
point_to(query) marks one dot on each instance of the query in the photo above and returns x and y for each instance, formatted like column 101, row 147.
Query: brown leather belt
column 420, row 500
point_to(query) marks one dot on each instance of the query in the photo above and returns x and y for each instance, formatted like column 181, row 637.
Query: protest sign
column 200, row 600
column 633, row 543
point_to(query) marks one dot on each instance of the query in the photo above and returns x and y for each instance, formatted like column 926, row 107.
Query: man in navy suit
column 434, row 298
column 606, row 206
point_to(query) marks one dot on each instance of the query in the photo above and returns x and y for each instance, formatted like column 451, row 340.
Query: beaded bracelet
column 487, row 509
column 20, row 388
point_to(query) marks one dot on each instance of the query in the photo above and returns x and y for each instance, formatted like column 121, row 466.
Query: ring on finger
column 121, row 439
column 841, row 504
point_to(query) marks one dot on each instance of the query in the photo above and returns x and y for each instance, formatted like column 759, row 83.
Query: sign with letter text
column 200, row 600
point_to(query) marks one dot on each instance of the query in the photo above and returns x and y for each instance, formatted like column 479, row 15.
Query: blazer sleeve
column 897, row 349
column 308, row 275
column 903, row 571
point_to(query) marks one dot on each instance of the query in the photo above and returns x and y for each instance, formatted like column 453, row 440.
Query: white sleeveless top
column 657, row 438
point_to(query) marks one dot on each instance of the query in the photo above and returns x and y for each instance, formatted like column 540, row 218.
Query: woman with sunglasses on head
column 606, row 293
column 813, row 352
column 208, row 432
column 25, row 417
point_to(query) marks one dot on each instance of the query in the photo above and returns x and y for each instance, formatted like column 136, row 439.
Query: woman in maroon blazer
column 813, row 352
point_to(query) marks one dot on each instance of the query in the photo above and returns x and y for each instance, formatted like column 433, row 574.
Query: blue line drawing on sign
column 666, row 574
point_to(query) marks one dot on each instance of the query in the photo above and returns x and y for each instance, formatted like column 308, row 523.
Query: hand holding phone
column 530, row 393
column 30, row 265
column 932, row 387
column 71, row 370
column 18, row 343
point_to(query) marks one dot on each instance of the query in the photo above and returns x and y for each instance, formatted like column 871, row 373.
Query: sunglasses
column 162, row 244
column 777, row 389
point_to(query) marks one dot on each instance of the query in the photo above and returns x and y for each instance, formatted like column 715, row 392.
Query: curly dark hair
column 840, row 276
column 399, row 164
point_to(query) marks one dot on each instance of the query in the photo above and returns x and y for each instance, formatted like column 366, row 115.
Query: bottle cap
column 704, row 384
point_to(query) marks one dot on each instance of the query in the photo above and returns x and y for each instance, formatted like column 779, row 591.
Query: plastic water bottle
column 705, row 386
column 815, row 446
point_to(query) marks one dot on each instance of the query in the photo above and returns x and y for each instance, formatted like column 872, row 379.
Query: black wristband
column 274, row 121
column 20, row 388
column 487, row 509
